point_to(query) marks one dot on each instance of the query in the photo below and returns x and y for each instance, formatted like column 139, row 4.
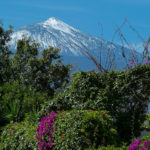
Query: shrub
column 140, row 144
column 16, row 100
column 79, row 129
column 81, row 94
column 19, row 136
column 45, row 131
column 124, row 94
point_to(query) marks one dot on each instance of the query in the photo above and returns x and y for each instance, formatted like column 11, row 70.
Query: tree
column 44, row 72
column 4, row 55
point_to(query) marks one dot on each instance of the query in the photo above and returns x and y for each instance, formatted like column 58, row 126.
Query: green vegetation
column 16, row 101
column 42, row 107
column 44, row 73
column 19, row 136
column 83, row 128
column 4, row 56
column 124, row 94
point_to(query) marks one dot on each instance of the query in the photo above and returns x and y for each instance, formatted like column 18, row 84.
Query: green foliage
column 4, row 55
column 43, row 72
column 81, row 94
column 79, row 129
column 146, row 137
column 19, row 136
column 16, row 100
column 110, row 147
column 146, row 124
column 28, row 78
column 124, row 94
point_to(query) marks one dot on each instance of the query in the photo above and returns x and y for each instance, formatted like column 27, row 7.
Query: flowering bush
column 19, row 136
column 80, row 129
column 45, row 130
column 124, row 94
column 139, row 144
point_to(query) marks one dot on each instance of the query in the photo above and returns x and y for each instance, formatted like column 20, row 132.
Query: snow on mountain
column 58, row 25
column 56, row 33
column 72, row 42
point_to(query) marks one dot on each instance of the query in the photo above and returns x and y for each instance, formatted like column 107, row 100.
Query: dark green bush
column 16, row 100
column 124, row 94
column 81, row 94
column 19, row 136
column 79, row 129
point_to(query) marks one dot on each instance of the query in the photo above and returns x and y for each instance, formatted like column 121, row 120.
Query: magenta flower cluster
column 132, row 63
column 45, row 131
column 139, row 145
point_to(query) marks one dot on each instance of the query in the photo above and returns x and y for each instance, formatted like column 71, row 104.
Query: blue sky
column 85, row 15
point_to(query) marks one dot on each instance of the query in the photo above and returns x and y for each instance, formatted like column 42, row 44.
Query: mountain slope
column 71, row 41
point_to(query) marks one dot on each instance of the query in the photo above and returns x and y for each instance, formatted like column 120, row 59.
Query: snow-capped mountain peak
column 56, row 33
column 52, row 21
column 58, row 25
column 72, row 42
